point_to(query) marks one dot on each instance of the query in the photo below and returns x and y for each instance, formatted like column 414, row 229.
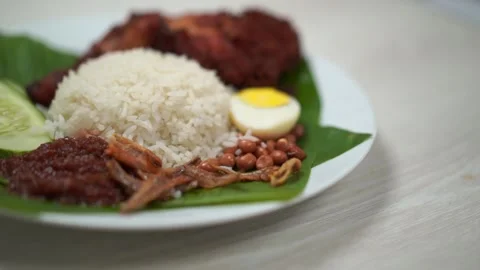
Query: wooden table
column 414, row 203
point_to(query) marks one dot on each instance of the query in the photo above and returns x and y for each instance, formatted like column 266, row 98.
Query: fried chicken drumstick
column 250, row 49
column 141, row 30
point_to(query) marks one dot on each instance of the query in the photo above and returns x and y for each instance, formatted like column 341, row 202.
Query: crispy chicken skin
column 141, row 30
column 252, row 49
column 43, row 91
column 249, row 49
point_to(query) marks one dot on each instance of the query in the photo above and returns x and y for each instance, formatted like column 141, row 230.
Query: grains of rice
column 42, row 109
column 249, row 137
column 177, row 194
column 165, row 102
column 229, row 144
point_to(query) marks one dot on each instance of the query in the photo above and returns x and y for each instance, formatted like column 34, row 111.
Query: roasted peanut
column 227, row 159
column 291, row 138
column 230, row 150
column 282, row 145
column 247, row 146
column 296, row 152
column 208, row 164
column 213, row 161
column 270, row 145
column 298, row 131
column 246, row 162
column 261, row 152
column 278, row 157
column 264, row 162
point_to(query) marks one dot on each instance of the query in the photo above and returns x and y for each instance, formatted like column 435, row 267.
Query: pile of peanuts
column 249, row 154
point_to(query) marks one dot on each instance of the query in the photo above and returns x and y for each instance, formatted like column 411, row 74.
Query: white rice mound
column 165, row 102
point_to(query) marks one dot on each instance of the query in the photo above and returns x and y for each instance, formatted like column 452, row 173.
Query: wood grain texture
column 414, row 203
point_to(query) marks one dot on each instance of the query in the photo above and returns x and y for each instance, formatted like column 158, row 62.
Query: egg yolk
column 264, row 97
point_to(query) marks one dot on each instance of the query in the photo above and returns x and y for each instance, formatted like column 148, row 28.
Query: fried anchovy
column 133, row 155
column 154, row 187
column 130, row 183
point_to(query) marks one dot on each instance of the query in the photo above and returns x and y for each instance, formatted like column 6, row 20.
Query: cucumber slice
column 14, row 87
column 17, row 116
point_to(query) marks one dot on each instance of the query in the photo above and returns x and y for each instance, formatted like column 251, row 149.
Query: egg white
column 265, row 123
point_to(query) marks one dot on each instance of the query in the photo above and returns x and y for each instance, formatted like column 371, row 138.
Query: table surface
column 413, row 203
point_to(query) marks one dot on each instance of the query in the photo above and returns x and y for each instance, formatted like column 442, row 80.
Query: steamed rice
column 165, row 102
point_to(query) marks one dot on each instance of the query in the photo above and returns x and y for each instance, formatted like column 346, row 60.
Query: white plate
column 344, row 105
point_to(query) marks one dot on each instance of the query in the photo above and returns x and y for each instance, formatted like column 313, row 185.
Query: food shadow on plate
column 345, row 209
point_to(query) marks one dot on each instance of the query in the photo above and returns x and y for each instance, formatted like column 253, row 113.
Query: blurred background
column 418, row 62
column 335, row 29
column 465, row 9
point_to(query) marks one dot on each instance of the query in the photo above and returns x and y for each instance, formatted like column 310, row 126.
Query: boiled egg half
column 267, row 112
